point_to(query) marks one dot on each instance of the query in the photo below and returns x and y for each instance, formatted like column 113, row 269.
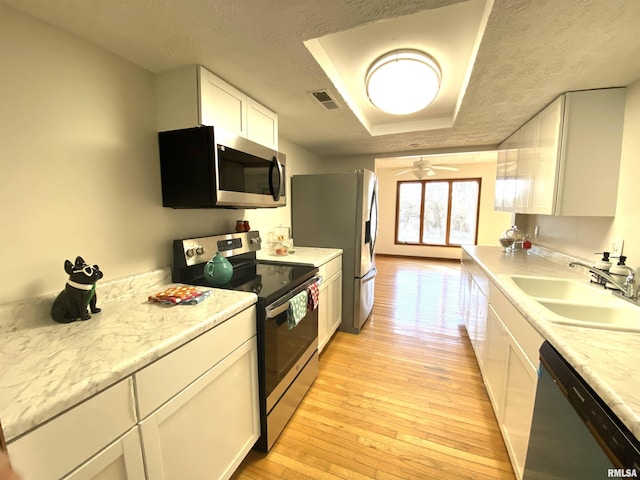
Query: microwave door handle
column 275, row 164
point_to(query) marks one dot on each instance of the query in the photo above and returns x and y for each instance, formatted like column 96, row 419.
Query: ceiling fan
column 422, row 168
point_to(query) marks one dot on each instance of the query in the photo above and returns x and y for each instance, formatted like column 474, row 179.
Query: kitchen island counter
column 607, row 360
column 48, row 367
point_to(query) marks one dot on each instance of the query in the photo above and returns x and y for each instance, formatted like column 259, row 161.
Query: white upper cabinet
column 191, row 96
column 526, row 167
column 567, row 157
column 507, row 172
column 221, row 105
column 546, row 159
column 262, row 125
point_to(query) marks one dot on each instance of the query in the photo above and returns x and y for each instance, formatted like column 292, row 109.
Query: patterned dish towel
column 180, row 295
column 297, row 309
column 312, row 292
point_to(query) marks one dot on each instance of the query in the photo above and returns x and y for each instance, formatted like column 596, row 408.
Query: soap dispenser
column 604, row 265
column 619, row 272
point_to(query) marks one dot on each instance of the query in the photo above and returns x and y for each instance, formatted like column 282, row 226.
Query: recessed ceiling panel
column 451, row 35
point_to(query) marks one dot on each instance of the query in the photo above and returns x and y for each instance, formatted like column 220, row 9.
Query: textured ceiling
column 531, row 52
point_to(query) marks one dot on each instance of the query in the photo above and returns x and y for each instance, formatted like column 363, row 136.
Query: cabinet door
column 510, row 173
column 221, row 105
column 545, row 175
column 122, row 460
column 60, row 445
column 465, row 290
column 472, row 315
column 480, row 334
column 526, row 166
column 335, row 302
column 494, row 362
column 323, row 315
column 206, row 430
column 329, row 309
column 506, row 174
column 262, row 125
column 520, row 392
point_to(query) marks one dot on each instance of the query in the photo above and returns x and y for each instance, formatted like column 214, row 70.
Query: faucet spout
column 628, row 288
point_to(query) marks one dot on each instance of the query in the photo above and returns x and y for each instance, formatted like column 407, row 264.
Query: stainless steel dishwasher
column 574, row 435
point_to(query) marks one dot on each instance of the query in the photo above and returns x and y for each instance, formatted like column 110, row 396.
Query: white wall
column 582, row 236
column 490, row 223
column 79, row 168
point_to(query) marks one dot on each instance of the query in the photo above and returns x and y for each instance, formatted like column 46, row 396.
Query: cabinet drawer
column 166, row 377
column 60, row 445
column 330, row 268
column 522, row 331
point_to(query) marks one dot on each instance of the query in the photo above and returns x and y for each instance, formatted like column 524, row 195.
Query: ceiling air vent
column 325, row 99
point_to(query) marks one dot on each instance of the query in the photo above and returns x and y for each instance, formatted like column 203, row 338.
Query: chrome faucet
column 628, row 288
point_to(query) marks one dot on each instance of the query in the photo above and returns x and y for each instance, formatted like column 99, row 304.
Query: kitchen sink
column 576, row 303
column 609, row 317
column 559, row 288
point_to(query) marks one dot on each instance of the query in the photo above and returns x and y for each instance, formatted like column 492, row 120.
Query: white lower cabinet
column 197, row 417
column 96, row 439
column 495, row 358
column 122, row 460
column 506, row 346
column 206, row 430
column 480, row 322
column 329, row 301
column 519, row 397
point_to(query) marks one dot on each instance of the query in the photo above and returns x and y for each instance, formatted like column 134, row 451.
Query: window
column 438, row 212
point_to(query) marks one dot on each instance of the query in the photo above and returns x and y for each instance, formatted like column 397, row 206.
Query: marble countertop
column 607, row 360
column 48, row 367
column 309, row 255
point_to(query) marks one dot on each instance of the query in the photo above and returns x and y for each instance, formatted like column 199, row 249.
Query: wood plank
column 403, row 400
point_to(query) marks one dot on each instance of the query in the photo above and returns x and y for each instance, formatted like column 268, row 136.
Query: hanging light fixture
column 403, row 81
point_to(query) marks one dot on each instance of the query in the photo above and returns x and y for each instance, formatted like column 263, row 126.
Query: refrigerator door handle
column 371, row 274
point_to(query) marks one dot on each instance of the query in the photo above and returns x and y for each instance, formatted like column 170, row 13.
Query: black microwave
column 206, row 167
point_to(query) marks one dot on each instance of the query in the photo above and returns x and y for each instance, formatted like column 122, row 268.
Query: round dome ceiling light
column 403, row 82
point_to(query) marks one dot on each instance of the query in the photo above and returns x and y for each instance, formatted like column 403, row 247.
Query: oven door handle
column 277, row 308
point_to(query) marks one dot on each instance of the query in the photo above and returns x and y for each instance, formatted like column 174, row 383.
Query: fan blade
column 404, row 171
column 438, row 167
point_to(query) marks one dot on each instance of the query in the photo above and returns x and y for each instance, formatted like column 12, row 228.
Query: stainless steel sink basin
column 559, row 288
column 609, row 317
column 576, row 303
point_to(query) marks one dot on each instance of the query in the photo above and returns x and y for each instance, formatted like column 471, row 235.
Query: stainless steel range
column 287, row 355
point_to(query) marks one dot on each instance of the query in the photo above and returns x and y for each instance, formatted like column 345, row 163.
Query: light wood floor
column 402, row 400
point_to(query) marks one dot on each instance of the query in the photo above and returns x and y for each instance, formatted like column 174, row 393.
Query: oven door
column 286, row 350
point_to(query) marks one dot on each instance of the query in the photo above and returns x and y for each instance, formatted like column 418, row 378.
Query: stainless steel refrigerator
column 341, row 211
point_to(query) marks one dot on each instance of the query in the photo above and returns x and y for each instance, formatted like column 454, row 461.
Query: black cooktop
column 268, row 280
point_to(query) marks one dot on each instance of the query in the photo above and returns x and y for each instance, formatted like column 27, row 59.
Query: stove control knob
column 255, row 240
column 190, row 252
column 199, row 250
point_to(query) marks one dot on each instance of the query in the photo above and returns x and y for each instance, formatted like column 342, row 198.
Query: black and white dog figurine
column 78, row 294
